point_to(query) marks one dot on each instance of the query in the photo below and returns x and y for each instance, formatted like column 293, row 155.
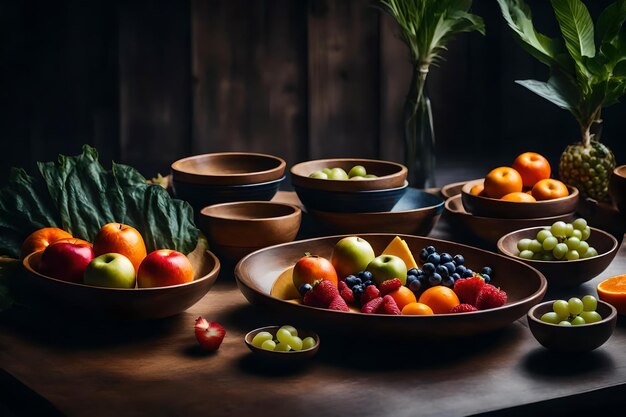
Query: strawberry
column 338, row 303
column 346, row 292
column 467, row 289
column 389, row 305
column 463, row 308
column 390, row 285
column 372, row 305
column 490, row 297
column 370, row 293
column 321, row 295
column 209, row 335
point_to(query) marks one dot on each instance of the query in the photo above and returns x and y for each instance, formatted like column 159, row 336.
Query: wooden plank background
column 148, row 82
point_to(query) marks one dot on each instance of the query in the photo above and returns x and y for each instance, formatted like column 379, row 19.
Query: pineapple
column 588, row 168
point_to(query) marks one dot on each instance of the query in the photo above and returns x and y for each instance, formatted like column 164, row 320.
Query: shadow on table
column 542, row 362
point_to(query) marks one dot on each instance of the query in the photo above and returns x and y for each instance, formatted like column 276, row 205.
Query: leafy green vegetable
column 78, row 195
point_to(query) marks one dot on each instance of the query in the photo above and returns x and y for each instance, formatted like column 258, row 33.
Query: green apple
column 371, row 176
column 357, row 171
column 351, row 255
column 357, row 177
column 386, row 267
column 337, row 174
column 319, row 174
column 327, row 171
column 111, row 270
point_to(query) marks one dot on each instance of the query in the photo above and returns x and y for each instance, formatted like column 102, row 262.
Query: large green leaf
column 610, row 22
column 576, row 26
column 556, row 90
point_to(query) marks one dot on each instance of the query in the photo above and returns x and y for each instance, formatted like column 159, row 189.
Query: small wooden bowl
column 565, row 273
column 237, row 229
column 293, row 356
column 454, row 189
column 617, row 188
column 492, row 207
column 228, row 168
column 416, row 213
column 491, row 229
column 390, row 175
column 572, row 339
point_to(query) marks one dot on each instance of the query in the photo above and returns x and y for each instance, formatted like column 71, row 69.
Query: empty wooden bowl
column 617, row 188
column 572, row 339
column 389, row 175
column 491, row 229
column 236, row 229
column 416, row 213
column 228, row 168
column 565, row 273
column 293, row 356
column 491, row 207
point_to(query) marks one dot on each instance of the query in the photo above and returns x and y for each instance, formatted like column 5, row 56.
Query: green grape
column 569, row 229
column 590, row 316
column 558, row 228
column 561, row 308
column 586, row 233
column 550, row 243
column 591, row 252
column 582, row 248
column 543, row 234
column 535, row 246
column 283, row 335
column 547, row 256
column 526, row 254
column 296, row 343
column 268, row 345
column 308, row 343
column 538, row 256
column 550, row 317
column 291, row 329
column 523, row 244
column 578, row 320
column 575, row 306
column 579, row 224
column 282, row 347
column 565, row 323
column 572, row 255
column 560, row 251
column 572, row 243
column 261, row 337
column 577, row 234
column 589, row 303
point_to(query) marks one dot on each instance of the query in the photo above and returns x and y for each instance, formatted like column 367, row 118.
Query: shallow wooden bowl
column 293, row 356
column 565, row 273
column 617, row 188
column 454, row 189
column 236, row 229
column 416, row 213
column 120, row 303
column 257, row 273
column 390, row 175
column 491, row 229
column 228, row 168
column 492, row 207
column 572, row 339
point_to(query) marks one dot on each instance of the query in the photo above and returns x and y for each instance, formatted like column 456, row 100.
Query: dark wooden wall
column 148, row 82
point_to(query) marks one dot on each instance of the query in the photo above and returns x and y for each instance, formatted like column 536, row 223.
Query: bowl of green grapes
column 567, row 254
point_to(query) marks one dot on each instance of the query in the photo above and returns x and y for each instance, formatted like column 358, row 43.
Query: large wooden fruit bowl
column 257, row 273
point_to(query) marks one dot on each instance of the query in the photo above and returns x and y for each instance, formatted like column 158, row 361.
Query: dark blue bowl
column 351, row 202
column 200, row 195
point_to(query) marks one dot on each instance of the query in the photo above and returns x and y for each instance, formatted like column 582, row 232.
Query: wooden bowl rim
column 620, row 171
column 531, row 315
column 250, row 335
column 352, row 193
column 401, row 168
column 505, row 252
column 444, row 190
column 449, row 201
column 215, row 270
column 208, row 211
column 573, row 193
column 178, row 169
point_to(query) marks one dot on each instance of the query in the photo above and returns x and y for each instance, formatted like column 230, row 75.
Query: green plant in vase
column 426, row 27
column 587, row 73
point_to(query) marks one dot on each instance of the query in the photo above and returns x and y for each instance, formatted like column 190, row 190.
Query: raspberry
column 338, row 303
column 467, row 289
column 346, row 292
column 463, row 308
column 370, row 293
column 389, row 306
column 490, row 297
column 321, row 295
column 390, row 285
column 373, row 305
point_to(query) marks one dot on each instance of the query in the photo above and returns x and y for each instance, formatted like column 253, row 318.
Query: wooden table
column 75, row 366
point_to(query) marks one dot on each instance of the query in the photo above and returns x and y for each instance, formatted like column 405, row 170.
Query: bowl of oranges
column 521, row 191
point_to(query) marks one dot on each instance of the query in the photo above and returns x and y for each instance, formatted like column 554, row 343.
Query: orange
column 441, row 299
column 403, row 296
column 549, row 189
column 123, row 239
column 613, row 291
column 502, row 181
column 532, row 167
column 40, row 239
column 519, row 197
column 477, row 189
column 417, row 309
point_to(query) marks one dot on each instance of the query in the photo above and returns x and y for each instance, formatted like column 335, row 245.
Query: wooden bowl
column 293, row 356
column 617, row 188
column 491, row 229
column 236, row 229
column 121, row 303
column 390, row 175
column 417, row 212
column 565, row 273
column 351, row 202
column 572, row 339
column 492, row 207
column 454, row 189
column 228, row 168
column 257, row 273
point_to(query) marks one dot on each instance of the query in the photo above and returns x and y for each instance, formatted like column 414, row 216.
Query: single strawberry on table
column 209, row 334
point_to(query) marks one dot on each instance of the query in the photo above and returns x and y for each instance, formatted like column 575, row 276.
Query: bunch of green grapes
column 561, row 241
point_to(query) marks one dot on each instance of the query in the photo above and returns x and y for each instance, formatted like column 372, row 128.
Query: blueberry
column 424, row 254
column 446, row 257
column 460, row 270
column 442, row 270
column 420, row 273
column 360, row 274
column 351, row 281
column 459, row 259
column 357, row 290
column 455, row 276
column 487, row 271
column 428, row 268
column 434, row 258
column 487, row 278
column 467, row 273
column 415, row 286
column 304, row 288
column 368, row 283
column 412, row 271
column 448, row 282
column 410, row 279
column 435, row 279
column 430, row 249
column 450, row 266
column 367, row 276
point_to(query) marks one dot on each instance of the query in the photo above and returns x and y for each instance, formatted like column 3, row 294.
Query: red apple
column 122, row 239
column 164, row 267
column 66, row 261
column 311, row 268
